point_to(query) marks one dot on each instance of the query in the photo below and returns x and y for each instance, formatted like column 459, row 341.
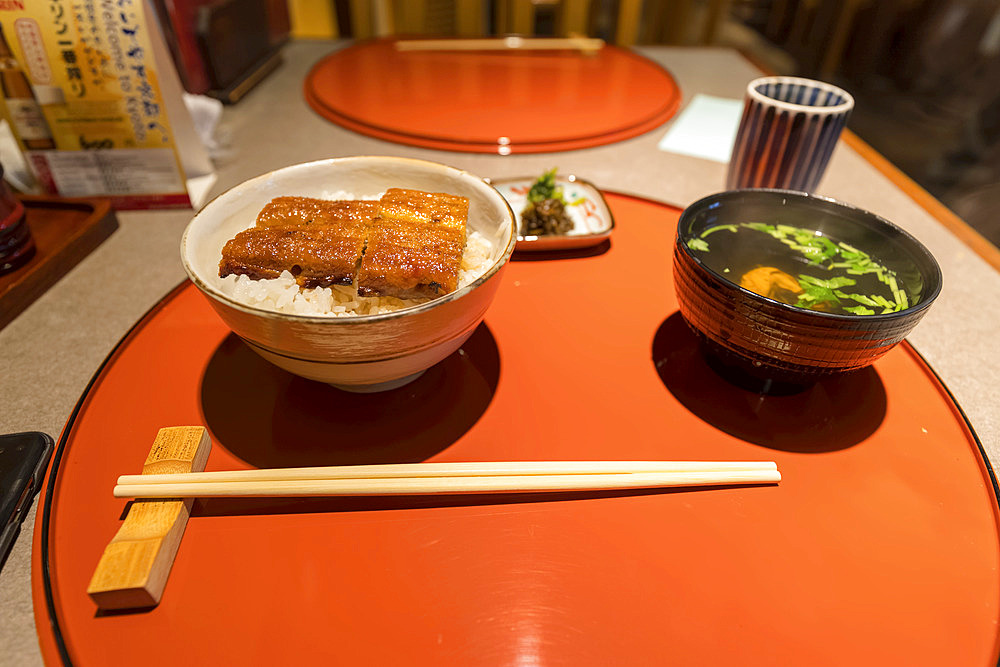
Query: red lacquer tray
column 879, row 546
column 492, row 102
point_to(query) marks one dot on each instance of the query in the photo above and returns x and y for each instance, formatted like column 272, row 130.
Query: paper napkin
column 706, row 128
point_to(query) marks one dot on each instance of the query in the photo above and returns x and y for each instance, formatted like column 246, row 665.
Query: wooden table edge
column 933, row 206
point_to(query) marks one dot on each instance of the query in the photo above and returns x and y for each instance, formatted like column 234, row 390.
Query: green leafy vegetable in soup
column 802, row 267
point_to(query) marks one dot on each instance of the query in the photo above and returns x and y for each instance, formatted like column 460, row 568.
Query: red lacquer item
column 489, row 101
column 879, row 546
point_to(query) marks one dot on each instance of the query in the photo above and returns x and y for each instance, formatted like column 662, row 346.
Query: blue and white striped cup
column 787, row 134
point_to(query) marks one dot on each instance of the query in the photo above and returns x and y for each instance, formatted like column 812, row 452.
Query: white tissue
column 205, row 114
column 15, row 169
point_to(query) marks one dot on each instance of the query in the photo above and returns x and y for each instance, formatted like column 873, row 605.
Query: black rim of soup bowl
column 922, row 258
column 752, row 371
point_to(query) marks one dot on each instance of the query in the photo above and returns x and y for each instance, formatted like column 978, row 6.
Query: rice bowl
column 368, row 345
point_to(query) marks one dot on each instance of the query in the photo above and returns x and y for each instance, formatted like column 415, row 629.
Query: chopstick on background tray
column 424, row 478
column 510, row 43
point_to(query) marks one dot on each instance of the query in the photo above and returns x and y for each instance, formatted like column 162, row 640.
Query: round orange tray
column 880, row 545
column 489, row 101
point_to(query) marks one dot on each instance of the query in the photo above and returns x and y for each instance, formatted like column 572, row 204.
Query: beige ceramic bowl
column 364, row 353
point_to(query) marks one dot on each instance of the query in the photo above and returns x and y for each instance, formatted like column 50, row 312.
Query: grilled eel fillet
column 414, row 243
column 317, row 255
column 284, row 211
column 319, row 242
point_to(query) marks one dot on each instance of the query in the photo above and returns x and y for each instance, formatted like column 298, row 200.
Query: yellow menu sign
column 81, row 93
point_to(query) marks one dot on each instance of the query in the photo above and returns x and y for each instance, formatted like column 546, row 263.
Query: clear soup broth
column 802, row 267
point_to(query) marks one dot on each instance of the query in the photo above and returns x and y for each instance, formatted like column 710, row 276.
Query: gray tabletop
column 49, row 353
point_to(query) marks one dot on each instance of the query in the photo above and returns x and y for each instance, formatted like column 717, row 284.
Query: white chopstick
column 460, row 469
column 409, row 485
column 511, row 43
column 424, row 485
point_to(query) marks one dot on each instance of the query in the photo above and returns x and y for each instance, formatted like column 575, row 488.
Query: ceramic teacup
column 787, row 133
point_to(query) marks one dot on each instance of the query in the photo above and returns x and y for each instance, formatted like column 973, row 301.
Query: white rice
column 284, row 295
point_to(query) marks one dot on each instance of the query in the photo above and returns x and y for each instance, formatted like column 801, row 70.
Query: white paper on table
column 198, row 188
column 706, row 128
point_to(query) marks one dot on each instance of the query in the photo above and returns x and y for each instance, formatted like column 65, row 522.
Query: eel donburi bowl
column 363, row 352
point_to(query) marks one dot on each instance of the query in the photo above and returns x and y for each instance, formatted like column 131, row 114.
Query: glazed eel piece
column 415, row 245
column 285, row 211
column 408, row 245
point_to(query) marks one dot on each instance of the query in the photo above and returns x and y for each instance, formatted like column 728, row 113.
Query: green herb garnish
column 821, row 252
column 816, row 291
column 712, row 230
column 545, row 188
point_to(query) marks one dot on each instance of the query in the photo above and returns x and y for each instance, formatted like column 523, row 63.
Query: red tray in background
column 514, row 101
column 880, row 545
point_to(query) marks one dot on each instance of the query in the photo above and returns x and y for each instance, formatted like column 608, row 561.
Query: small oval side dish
column 361, row 353
column 819, row 317
column 585, row 207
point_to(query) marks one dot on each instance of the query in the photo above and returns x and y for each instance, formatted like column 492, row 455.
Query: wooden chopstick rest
column 133, row 570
